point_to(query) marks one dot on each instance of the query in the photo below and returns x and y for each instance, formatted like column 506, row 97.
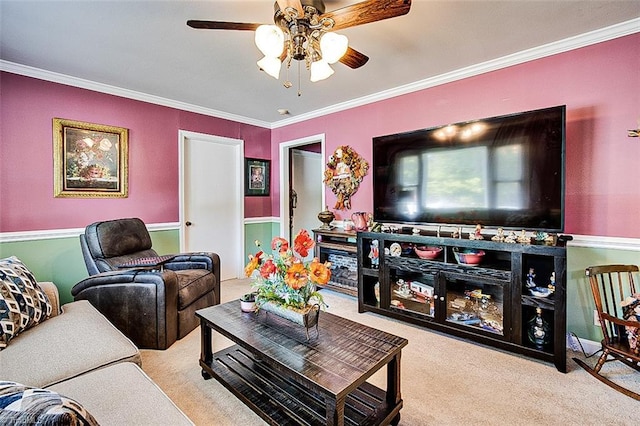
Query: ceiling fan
column 304, row 32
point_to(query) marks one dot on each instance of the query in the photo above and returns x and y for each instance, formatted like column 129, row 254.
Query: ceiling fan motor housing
column 302, row 30
column 318, row 5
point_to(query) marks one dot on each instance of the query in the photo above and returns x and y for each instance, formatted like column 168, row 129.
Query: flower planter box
column 307, row 317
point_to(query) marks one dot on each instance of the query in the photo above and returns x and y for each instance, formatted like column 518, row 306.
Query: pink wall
column 26, row 152
column 599, row 84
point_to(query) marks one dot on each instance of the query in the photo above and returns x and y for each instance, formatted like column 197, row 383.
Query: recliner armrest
column 140, row 303
column 124, row 277
column 200, row 260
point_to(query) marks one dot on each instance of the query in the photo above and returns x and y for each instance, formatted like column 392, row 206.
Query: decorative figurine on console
column 541, row 236
column 531, row 276
column 457, row 233
column 374, row 254
column 511, row 238
column 477, row 233
column 552, row 282
column 523, row 238
column 499, row 237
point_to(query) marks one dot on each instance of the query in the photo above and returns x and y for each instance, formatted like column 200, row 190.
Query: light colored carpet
column 445, row 380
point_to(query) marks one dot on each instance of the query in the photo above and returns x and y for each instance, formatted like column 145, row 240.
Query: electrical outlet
column 596, row 320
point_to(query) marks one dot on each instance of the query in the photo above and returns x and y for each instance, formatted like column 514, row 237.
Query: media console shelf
column 339, row 248
column 489, row 303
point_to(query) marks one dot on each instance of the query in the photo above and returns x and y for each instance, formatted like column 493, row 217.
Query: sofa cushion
column 79, row 340
column 23, row 303
column 122, row 394
column 20, row 404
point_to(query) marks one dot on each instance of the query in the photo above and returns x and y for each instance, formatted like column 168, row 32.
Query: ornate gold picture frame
column 89, row 160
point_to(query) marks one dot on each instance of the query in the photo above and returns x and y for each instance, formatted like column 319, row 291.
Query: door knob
column 187, row 223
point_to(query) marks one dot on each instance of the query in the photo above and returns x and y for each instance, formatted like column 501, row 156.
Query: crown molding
column 604, row 34
column 125, row 93
column 598, row 36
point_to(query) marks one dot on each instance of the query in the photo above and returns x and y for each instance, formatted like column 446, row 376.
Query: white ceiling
column 146, row 47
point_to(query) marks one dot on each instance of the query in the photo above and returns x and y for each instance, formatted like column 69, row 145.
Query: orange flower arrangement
column 284, row 278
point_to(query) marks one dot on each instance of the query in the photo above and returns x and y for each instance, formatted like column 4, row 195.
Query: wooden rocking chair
column 611, row 285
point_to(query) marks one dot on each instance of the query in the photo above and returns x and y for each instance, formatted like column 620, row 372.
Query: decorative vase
column 326, row 217
column 307, row 317
column 538, row 330
column 360, row 221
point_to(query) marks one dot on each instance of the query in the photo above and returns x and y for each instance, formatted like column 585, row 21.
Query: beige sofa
column 81, row 355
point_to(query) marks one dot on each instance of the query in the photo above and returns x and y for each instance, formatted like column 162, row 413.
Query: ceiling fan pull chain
column 299, row 89
column 287, row 82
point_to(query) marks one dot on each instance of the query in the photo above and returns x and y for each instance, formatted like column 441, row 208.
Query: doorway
column 211, row 198
column 308, row 185
column 306, row 202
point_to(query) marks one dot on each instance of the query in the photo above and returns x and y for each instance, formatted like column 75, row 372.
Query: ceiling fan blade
column 366, row 12
column 296, row 4
column 218, row 25
column 353, row 58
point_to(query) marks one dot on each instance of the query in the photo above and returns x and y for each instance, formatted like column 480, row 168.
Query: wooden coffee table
column 289, row 380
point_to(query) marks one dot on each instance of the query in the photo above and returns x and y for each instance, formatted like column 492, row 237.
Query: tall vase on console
column 360, row 221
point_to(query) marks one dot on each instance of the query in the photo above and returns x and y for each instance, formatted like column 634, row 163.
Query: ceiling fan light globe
column 320, row 70
column 271, row 66
column 270, row 40
column 333, row 47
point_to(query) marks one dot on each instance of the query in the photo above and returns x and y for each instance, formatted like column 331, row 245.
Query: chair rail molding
column 51, row 234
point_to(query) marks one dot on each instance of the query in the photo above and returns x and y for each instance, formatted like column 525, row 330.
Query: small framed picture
column 257, row 177
column 89, row 160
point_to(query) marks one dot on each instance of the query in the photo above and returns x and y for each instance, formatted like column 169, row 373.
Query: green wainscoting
column 259, row 231
column 60, row 259
column 580, row 304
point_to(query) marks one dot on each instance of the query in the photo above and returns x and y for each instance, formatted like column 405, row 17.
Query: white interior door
column 212, row 208
column 305, row 168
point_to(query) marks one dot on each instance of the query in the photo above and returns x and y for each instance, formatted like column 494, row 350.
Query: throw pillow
column 25, row 405
column 23, row 303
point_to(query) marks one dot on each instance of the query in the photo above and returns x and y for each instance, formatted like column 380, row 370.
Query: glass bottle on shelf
column 538, row 330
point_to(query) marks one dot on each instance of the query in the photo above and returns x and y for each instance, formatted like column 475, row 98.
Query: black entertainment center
column 487, row 303
column 504, row 174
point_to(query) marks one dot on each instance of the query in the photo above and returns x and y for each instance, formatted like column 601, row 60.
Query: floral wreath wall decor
column 345, row 170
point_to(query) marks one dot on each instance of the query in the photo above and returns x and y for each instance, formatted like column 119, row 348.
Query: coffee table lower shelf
column 282, row 401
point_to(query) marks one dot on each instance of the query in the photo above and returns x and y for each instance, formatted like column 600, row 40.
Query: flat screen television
column 505, row 171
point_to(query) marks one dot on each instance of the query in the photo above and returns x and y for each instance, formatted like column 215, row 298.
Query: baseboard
column 579, row 344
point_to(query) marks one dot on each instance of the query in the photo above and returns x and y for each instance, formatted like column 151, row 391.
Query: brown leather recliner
column 153, row 305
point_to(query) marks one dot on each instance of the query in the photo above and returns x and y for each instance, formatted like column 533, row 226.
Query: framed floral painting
column 89, row 160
